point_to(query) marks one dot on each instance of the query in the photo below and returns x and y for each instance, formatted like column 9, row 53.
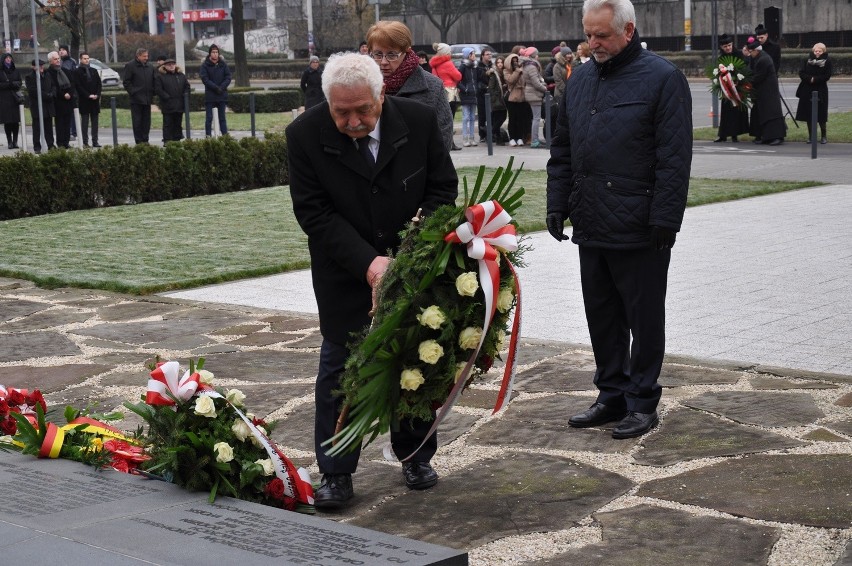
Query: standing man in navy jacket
column 138, row 81
column 216, row 77
column 619, row 169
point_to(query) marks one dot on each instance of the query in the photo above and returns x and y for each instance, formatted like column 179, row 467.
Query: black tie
column 364, row 148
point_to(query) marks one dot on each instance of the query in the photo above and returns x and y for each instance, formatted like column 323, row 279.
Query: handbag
column 452, row 93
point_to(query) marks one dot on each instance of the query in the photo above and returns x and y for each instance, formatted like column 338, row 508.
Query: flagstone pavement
column 750, row 465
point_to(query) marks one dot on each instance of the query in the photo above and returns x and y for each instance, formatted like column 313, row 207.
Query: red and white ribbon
column 164, row 381
column 729, row 89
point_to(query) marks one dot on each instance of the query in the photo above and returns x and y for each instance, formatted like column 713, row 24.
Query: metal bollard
column 186, row 116
column 114, row 125
column 78, row 122
column 814, row 120
column 23, row 132
column 489, row 135
column 251, row 112
column 547, row 133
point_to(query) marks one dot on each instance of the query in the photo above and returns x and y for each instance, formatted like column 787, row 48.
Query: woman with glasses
column 389, row 44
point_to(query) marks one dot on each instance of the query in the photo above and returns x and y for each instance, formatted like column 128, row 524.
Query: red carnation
column 290, row 503
column 16, row 397
column 275, row 489
column 4, row 408
column 36, row 398
column 9, row 426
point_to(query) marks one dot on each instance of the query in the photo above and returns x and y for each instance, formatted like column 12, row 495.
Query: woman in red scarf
column 389, row 44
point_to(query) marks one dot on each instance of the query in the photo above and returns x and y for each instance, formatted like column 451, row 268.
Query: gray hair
column 622, row 11
column 352, row 69
column 53, row 54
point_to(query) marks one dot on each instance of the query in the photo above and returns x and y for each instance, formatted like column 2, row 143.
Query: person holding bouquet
column 733, row 120
column 361, row 165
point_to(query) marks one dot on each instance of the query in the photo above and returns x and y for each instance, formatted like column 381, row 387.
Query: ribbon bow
column 729, row 89
column 165, row 380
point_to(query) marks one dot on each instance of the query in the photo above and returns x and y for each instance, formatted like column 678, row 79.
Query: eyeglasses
column 391, row 56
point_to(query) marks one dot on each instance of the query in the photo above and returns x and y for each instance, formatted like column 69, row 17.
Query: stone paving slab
column 668, row 537
column 51, row 378
column 760, row 408
column 27, row 345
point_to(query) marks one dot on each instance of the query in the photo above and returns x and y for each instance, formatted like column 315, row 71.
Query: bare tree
column 69, row 14
column 241, row 73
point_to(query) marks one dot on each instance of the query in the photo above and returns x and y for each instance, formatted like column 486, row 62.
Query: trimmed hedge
column 63, row 180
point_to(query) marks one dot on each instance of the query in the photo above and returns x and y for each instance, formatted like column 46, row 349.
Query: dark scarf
column 395, row 81
column 62, row 79
column 628, row 54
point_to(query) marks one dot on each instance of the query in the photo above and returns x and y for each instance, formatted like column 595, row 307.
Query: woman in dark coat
column 767, row 120
column 311, row 83
column 733, row 120
column 10, row 84
column 815, row 73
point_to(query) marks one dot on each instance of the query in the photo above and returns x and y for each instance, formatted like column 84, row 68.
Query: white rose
column 224, row 452
column 459, row 369
column 236, row 397
column 241, row 430
column 205, row 377
column 268, row 468
column 504, row 299
column 715, row 72
column 411, row 379
column 740, row 77
column 204, row 407
column 430, row 351
column 255, row 440
column 715, row 81
column 469, row 337
column 467, row 284
column 433, row 317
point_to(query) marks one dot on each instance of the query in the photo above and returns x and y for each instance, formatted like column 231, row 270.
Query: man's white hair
column 349, row 70
column 622, row 11
column 52, row 54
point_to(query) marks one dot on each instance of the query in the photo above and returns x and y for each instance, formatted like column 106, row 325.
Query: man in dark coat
column 138, row 81
column 64, row 101
column 47, row 112
column 216, row 76
column 88, row 84
column 733, row 120
column 361, row 165
column 619, row 169
column 769, row 47
column 10, row 99
column 767, row 120
column 171, row 87
column 69, row 65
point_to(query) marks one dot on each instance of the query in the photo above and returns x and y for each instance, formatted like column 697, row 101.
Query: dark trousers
column 140, row 114
column 208, row 117
column 520, row 119
column 12, row 129
column 624, row 292
column 84, row 123
column 63, row 127
column 405, row 441
column 498, row 116
column 48, row 130
column 172, row 126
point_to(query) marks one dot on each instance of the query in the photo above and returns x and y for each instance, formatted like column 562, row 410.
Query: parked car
column 108, row 76
column 456, row 49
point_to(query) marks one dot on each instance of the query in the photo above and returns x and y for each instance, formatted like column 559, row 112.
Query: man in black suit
column 361, row 165
column 769, row 47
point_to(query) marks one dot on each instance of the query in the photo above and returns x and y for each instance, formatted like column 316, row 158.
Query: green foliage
column 62, row 180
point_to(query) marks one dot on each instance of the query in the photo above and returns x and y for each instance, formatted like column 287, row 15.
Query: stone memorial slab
column 27, row 345
column 687, row 434
column 782, row 384
column 11, row 309
column 264, row 365
column 75, row 514
column 51, row 378
column 517, row 493
column 809, row 489
column 678, row 538
column 555, row 374
column 675, row 375
column 543, row 423
column 759, row 407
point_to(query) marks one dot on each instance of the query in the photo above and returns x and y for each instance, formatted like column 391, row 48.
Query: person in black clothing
column 815, row 73
column 47, row 95
column 88, row 84
column 769, row 47
column 216, row 76
column 485, row 63
column 138, row 81
column 171, row 87
column 69, row 65
column 767, row 119
column 311, row 83
column 10, row 85
column 733, row 120
column 64, row 101
column 424, row 61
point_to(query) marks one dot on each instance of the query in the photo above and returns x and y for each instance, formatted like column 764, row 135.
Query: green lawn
column 839, row 129
column 154, row 247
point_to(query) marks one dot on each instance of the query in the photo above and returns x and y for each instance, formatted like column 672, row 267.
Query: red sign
column 199, row 16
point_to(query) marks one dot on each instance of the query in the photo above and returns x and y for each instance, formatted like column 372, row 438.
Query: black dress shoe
column 757, row 140
column 419, row 475
column 635, row 424
column 96, row 144
column 776, row 141
column 595, row 415
column 734, row 139
column 719, row 139
column 334, row 491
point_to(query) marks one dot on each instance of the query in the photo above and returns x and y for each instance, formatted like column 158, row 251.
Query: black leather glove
column 662, row 238
column 556, row 225
column 217, row 90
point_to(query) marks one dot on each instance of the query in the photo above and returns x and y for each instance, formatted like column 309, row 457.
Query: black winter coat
column 622, row 152
column 815, row 73
column 216, row 78
column 87, row 81
column 353, row 213
column 767, row 119
column 469, row 84
column 10, row 83
column 733, row 120
column 138, row 81
column 48, row 93
column 62, row 84
column 171, row 88
column 311, row 85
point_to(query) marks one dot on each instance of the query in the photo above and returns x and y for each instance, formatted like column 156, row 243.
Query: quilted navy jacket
column 622, row 151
